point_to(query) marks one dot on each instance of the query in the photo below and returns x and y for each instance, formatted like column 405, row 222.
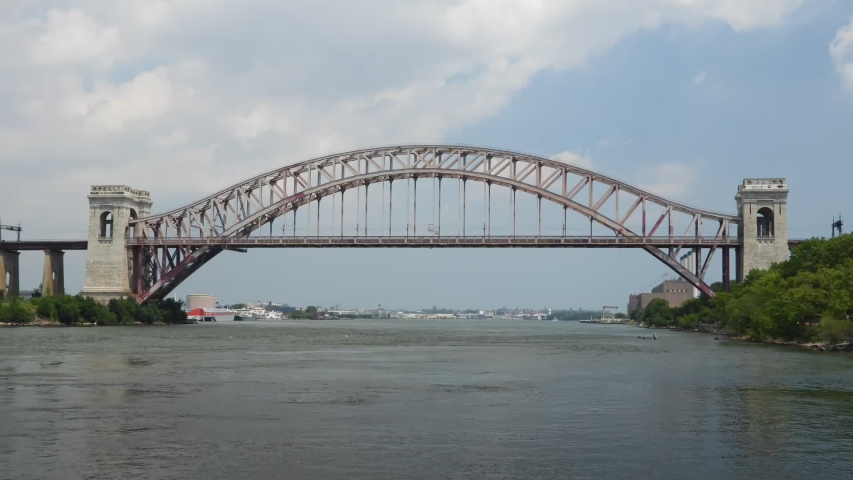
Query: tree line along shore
column 807, row 299
column 79, row 310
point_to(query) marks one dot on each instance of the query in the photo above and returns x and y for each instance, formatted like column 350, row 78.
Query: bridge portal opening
column 131, row 229
column 107, row 225
column 765, row 223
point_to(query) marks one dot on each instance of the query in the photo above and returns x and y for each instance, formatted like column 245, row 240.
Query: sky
column 185, row 97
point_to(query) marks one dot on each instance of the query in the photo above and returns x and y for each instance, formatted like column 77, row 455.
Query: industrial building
column 676, row 292
column 207, row 302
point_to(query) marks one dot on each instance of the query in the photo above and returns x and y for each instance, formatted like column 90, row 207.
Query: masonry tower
column 109, row 263
column 762, row 204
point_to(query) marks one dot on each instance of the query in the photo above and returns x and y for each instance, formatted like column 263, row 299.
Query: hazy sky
column 184, row 97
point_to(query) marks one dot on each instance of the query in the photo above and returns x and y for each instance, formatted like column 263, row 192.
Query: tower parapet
column 763, row 208
column 109, row 264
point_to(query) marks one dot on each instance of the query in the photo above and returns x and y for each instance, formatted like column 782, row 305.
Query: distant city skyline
column 398, row 307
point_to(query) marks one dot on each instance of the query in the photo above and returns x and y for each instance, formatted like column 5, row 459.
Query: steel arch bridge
column 169, row 247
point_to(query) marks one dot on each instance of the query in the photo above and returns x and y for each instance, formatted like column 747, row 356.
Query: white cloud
column 841, row 51
column 566, row 156
column 671, row 180
column 744, row 14
column 146, row 97
column 177, row 138
column 699, row 78
column 132, row 89
column 73, row 37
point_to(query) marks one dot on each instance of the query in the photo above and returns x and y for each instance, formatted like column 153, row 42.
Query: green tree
column 68, row 312
column 16, row 311
column 834, row 330
column 92, row 311
column 149, row 314
column 638, row 315
column 172, row 311
column 46, row 308
column 658, row 313
column 688, row 322
column 125, row 310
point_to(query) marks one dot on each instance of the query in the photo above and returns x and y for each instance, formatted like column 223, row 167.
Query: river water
column 404, row 399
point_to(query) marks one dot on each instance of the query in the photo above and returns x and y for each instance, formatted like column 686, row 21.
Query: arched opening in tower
column 107, row 225
column 765, row 227
column 131, row 229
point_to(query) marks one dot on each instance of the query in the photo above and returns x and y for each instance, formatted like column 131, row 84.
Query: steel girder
column 237, row 211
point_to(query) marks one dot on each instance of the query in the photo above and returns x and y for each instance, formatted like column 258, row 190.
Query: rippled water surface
column 420, row 399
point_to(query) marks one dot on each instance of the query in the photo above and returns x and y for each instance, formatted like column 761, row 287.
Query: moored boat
column 211, row 315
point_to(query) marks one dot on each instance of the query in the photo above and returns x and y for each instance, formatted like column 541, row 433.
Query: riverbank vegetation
column 808, row 298
column 74, row 310
column 569, row 315
column 310, row 313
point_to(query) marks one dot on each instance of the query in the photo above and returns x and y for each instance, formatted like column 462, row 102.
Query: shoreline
column 723, row 336
column 49, row 324
column 811, row 346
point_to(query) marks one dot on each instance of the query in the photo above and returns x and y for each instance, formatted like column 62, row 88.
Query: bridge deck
column 64, row 245
column 442, row 241
column 400, row 242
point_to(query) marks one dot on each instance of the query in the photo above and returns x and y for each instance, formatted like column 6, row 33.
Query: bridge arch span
column 243, row 208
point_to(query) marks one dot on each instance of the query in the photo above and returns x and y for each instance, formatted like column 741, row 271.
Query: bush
column 45, row 308
column 71, row 310
column 16, row 311
column 834, row 330
column 94, row 312
column 688, row 322
column 172, row 311
column 149, row 314
column 68, row 312
column 124, row 309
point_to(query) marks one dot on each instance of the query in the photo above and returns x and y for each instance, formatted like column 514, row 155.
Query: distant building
column 688, row 261
column 285, row 308
column 676, row 292
column 207, row 302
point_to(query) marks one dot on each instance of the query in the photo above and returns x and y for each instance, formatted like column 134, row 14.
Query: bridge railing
column 434, row 240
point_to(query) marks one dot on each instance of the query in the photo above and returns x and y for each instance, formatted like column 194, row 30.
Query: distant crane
column 10, row 228
column 837, row 225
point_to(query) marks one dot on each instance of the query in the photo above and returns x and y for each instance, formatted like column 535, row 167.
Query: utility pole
column 10, row 228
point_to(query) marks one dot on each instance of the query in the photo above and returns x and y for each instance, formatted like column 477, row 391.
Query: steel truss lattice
column 173, row 245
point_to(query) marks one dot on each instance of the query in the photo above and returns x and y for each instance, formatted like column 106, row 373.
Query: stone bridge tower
column 109, row 263
column 762, row 203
